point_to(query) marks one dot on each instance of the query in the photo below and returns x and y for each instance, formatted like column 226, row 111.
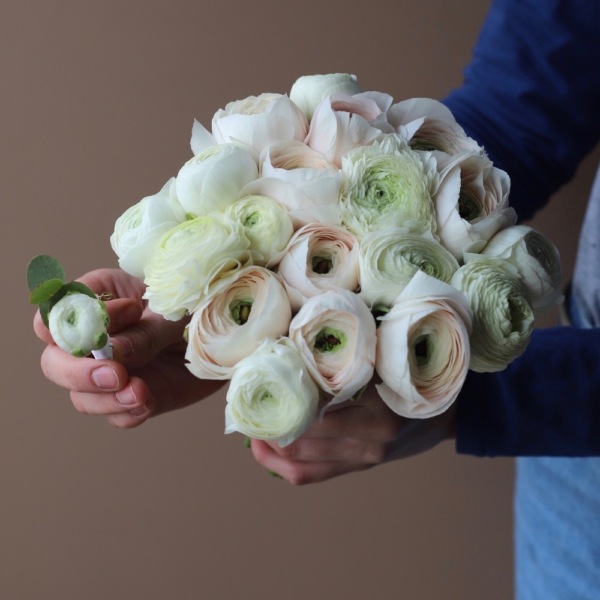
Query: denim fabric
column 557, row 535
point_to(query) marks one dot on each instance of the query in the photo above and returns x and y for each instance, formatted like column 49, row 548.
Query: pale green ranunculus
column 388, row 184
column 189, row 258
column 267, row 224
column 138, row 230
column 536, row 258
column 502, row 312
column 271, row 396
column 78, row 323
column 310, row 90
column 389, row 258
column 213, row 179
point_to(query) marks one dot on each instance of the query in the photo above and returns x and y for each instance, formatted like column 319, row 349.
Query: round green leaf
column 41, row 269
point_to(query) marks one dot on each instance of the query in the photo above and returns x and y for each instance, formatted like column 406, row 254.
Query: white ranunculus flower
column 201, row 139
column 267, row 224
column 271, row 396
column 428, row 124
column 259, row 121
column 301, row 179
column 502, row 313
column 334, row 132
column 537, row 259
column 78, row 324
column 388, row 184
column 213, row 179
column 319, row 258
column 310, row 90
column 191, row 257
column 389, row 258
column 423, row 349
column 471, row 203
column 233, row 321
column 335, row 334
column 139, row 229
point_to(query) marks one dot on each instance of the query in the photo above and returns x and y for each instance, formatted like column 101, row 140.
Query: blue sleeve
column 531, row 97
column 546, row 403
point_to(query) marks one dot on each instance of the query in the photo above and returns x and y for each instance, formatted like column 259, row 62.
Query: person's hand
column 355, row 436
column 148, row 374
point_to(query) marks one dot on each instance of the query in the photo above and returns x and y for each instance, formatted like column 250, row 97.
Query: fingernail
column 126, row 396
column 105, row 378
column 140, row 411
column 122, row 345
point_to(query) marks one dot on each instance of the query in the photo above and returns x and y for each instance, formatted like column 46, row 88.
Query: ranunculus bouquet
column 318, row 239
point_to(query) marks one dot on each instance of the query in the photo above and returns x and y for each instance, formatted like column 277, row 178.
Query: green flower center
column 321, row 264
column 240, row 311
column 422, row 350
column 251, row 220
column 330, row 340
column 469, row 207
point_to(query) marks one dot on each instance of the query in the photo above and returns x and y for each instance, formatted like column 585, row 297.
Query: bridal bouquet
column 324, row 238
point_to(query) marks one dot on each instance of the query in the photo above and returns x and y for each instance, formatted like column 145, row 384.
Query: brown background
column 97, row 101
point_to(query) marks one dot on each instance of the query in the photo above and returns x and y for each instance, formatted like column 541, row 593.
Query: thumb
column 137, row 345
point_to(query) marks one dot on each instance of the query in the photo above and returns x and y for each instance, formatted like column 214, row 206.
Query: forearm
column 546, row 403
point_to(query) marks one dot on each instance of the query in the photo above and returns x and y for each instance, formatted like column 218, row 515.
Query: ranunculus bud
column 78, row 324
column 310, row 90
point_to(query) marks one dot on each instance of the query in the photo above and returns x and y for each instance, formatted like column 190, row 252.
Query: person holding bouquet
column 531, row 97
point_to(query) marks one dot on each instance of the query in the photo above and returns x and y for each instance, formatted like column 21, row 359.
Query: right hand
column 148, row 375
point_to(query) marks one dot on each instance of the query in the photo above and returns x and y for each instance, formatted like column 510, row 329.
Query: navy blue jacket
column 531, row 97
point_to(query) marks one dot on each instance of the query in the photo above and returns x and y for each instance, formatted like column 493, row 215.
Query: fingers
column 143, row 340
column 128, row 407
column 349, row 438
column 82, row 374
column 298, row 472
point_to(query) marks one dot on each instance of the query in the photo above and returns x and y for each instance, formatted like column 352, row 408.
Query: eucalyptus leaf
column 41, row 269
column 45, row 290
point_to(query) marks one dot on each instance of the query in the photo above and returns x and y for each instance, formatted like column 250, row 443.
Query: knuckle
column 77, row 403
column 374, row 454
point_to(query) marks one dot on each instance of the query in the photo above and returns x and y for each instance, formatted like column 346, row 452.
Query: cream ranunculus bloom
column 423, row 348
column 78, row 324
column 213, row 179
column 301, row 179
column 267, row 224
column 191, row 257
column 317, row 259
column 471, row 203
column 536, row 258
column 271, row 396
column 259, row 121
column 139, row 229
column 335, row 334
column 389, row 258
column 333, row 133
column 388, row 184
column 310, row 90
column 233, row 321
column 502, row 313
column 428, row 124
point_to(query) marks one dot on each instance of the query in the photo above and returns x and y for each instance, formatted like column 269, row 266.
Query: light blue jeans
column 557, row 524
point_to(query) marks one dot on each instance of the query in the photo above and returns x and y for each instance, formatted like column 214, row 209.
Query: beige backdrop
column 97, row 101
